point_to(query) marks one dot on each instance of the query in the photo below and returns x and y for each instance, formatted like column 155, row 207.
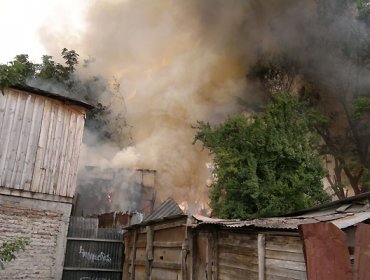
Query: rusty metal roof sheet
column 341, row 220
column 343, row 214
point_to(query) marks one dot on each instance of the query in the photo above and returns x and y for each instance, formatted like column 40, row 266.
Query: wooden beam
column 261, row 256
column 158, row 244
column 149, row 252
column 133, row 257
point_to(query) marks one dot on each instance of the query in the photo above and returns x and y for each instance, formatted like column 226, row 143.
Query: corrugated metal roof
column 349, row 200
column 64, row 99
column 343, row 213
column 167, row 209
column 341, row 219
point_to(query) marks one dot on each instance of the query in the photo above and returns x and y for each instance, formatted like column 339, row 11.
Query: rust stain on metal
column 326, row 252
column 362, row 252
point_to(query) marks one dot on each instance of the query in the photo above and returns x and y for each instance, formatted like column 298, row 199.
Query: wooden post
column 209, row 255
column 261, row 256
column 133, row 256
column 149, row 251
column 215, row 254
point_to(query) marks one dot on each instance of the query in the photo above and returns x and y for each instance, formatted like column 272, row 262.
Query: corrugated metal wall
column 92, row 252
column 40, row 143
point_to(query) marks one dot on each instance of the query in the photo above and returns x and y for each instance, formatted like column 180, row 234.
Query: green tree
column 332, row 75
column 8, row 249
column 63, row 77
column 265, row 164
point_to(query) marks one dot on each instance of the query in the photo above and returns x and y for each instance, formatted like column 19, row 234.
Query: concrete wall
column 46, row 224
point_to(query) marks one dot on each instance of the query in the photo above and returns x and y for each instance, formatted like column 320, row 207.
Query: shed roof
column 342, row 213
column 167, row 209
column 64, row 99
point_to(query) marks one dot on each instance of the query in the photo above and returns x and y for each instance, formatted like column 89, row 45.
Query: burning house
column 41, row 135
column 110, row 190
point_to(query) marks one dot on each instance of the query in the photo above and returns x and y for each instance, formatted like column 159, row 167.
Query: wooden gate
column 93, row 253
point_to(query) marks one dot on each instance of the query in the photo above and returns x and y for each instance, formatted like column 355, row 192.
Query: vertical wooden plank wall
column 156, row 252
column 237, row 256
column 40, row 142
column 284, row 257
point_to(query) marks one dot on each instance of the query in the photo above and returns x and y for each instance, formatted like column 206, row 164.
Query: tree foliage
column 9, row 249
column 332, row 75
column 62, row 77
column 264, row 164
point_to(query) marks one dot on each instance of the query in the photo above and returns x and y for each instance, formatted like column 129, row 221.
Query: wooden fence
column 93, row 253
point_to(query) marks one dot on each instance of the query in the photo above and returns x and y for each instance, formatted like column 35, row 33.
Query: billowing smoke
column 177, row 62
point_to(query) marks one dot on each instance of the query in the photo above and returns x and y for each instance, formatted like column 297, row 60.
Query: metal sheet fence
column 93, row 253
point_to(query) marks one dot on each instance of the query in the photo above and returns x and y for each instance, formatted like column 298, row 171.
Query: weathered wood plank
column 233, row 273
column 15, row 132
column 283, row 272
column 167, row 254
column 69, row 150
column 57, row 150
column 261, row 256
column 180, row 223
column 23, row 143
column 37, row 173
column 76, row 153
column 286, row 264
column 49, row 150
column 292, row 248
column 5, row 122
column 163, row 274
column 282, row 255
column 61, row 170
column 173, row 244
column 237, row 259
column 20, row 144
column 166, row 265
column 248, row 251
column 32, row 144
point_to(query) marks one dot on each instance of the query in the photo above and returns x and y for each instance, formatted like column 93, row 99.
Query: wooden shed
column 40, row 136
column 197, row 247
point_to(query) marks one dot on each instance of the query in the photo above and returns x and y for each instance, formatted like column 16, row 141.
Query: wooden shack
column 197, row 247
column 40, row 136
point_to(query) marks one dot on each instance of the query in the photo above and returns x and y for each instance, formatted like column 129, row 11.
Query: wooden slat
column 288, row 256
column 261, row 256
column 57, row 150
column 4, row 117
column 232, row 273
column 46, row 162
column 288, row 273
column 67, row 165
column 40, row 154
column 248, row 251
column 177, row 244
column 14, row 140
column 32, row 144
column 19, row 169
column 286, row 264
column 60, row 166
column 75, row 154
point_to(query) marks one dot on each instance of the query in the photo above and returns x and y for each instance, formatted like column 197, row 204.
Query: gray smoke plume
column 177, row 62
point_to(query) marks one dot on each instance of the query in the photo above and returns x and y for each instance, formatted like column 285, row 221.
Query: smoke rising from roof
column 181, row 61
